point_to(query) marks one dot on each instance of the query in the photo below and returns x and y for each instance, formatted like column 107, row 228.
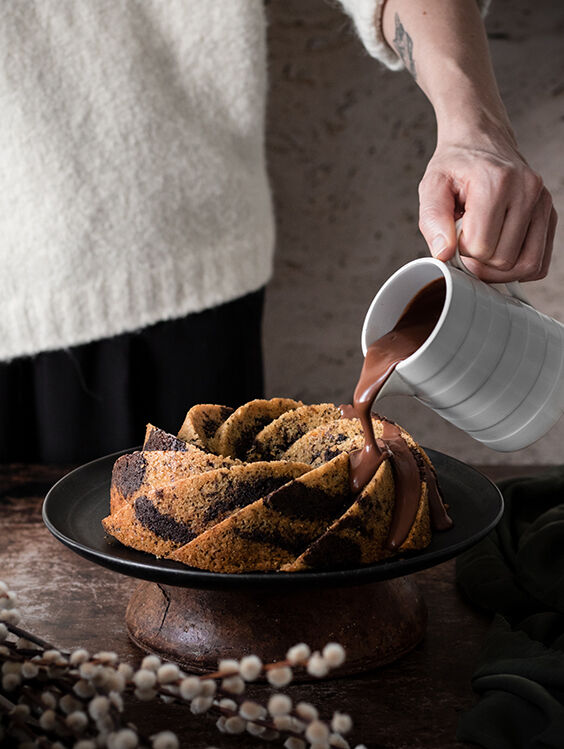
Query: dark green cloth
column 517, row 573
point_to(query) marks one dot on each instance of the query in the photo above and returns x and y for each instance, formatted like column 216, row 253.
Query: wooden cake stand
column 196, row 618
column 375, row 623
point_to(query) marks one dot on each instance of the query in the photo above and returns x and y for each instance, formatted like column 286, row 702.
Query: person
column 509, row 220
column 135, row 213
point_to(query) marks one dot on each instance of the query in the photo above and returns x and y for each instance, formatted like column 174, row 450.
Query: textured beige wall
column 347, row 144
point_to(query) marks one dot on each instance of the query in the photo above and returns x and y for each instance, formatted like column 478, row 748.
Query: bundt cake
column 267, row 487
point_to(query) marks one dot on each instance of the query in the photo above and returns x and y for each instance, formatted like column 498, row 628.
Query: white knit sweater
column 133, row 186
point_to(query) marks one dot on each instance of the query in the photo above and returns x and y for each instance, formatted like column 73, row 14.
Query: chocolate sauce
column 407, row 481
column 382, row 357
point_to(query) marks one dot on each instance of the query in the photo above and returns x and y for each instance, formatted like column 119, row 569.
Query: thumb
column 436, row 216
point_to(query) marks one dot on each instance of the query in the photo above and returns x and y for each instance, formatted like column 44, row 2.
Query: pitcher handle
column 513, row 288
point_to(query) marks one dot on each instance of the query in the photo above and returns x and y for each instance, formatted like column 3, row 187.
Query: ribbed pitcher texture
column 493, row 365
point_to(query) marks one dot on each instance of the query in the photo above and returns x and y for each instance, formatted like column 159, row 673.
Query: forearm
column 444, row 46
column 476, row 170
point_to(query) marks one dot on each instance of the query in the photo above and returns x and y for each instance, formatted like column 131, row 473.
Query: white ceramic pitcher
column 493, row 365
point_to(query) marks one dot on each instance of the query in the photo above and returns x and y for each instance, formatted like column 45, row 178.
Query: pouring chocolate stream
column 382, row 357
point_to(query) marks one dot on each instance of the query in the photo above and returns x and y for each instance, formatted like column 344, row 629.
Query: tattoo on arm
column 404, row 46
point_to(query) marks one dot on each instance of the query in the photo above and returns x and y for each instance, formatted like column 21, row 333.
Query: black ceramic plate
column 74, row 507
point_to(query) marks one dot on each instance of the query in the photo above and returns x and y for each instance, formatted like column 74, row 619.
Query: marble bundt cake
column 267, row 487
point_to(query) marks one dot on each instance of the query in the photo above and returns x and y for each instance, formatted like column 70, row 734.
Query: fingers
column 525, row 210
column 524, row 247
column 483, row 223
column 540, row 234
column 506, row 221
column 437, row 204
column 553, row 221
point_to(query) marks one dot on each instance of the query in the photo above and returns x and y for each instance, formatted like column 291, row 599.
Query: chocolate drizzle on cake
column 407, row 478
column 440, row 519
column 382, row 357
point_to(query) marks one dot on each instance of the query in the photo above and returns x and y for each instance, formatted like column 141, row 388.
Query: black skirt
column 80, row 403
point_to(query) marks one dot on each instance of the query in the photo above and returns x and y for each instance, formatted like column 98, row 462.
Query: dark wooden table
column 72, row 602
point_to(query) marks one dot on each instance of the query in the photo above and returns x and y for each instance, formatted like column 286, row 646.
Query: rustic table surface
column 72, row 602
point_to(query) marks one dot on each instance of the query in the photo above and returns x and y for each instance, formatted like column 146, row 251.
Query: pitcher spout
column 395, row 385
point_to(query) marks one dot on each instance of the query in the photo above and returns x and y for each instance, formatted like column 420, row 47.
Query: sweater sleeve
column 367, row 18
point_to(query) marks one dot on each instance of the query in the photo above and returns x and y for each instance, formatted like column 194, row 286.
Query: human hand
column 508, row 219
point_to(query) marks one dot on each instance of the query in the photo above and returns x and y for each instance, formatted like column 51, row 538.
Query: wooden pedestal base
column 376, row 623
